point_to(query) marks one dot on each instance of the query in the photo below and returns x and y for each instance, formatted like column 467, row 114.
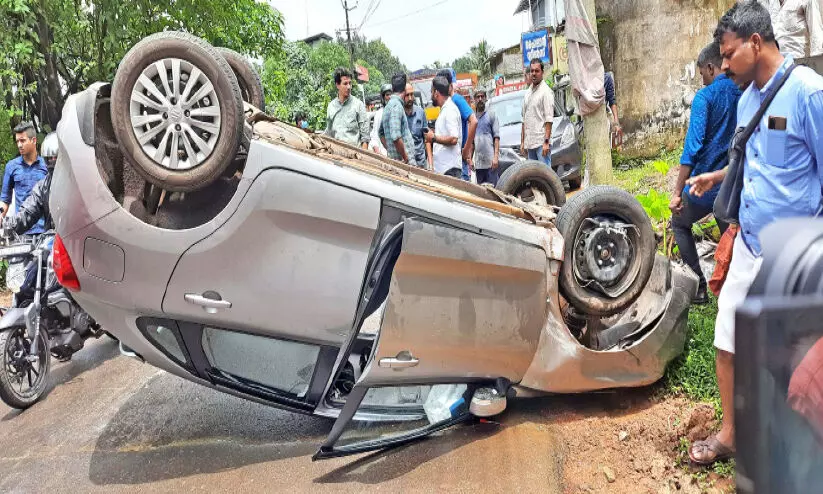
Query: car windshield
column 509, row 111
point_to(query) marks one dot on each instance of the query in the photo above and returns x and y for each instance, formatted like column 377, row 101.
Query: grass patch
column 638, row 176
column 638, row 179
column 693, row 373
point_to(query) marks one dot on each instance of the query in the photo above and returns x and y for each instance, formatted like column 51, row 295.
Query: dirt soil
column 630, row 442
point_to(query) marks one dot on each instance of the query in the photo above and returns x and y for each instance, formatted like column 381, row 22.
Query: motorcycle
column 44, row 321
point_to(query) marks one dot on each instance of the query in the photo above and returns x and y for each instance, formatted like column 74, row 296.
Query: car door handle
column 399, row 363
column 209, row 301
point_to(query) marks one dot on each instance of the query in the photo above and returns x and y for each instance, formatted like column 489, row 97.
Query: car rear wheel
column 533, row 182
column 177, row 111
column 609, row 250
column 251, row 86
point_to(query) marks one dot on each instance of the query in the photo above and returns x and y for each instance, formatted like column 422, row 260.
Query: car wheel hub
column 606, row 254
column 603, row 255
column 175, row 114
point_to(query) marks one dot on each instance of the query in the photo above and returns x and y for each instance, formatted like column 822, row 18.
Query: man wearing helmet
column 375, row 144
column 22, row 173
column 34, row 212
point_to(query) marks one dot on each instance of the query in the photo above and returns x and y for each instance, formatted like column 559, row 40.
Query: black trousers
column 682, row 227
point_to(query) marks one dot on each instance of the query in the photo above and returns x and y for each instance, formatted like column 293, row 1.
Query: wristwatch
column 547, row 141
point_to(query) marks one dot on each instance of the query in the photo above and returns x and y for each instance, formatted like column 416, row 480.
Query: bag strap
column 749, row 130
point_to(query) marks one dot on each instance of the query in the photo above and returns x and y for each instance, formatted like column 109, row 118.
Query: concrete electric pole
column 596, row 129
column 348, row 32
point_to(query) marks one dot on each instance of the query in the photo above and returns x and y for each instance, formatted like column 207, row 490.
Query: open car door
column 462, row 311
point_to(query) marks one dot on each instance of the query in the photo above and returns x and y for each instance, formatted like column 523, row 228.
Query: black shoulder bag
column 727, row 204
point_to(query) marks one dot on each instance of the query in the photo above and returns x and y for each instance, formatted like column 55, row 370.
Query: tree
column 463, row 64
column 476, row 60
column 324, row 58
column 376, row 53
column 53, row 48
column 481, row 56
column 298, row 80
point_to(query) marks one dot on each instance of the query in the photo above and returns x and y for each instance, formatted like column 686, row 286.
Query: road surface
column 112, row 424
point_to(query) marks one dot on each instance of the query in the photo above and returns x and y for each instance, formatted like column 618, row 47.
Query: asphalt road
column 110, row 423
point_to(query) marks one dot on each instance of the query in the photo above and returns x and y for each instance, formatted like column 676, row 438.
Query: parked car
column 567, row 156
column 257, row 281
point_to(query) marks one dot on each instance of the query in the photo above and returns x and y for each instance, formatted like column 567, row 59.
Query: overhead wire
column 409, row 14
column 370, row 10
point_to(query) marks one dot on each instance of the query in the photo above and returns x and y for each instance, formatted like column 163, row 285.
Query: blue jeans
column 466, row 173
column 537, row 155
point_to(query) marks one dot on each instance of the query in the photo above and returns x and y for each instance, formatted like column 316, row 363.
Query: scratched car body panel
column 335, row 282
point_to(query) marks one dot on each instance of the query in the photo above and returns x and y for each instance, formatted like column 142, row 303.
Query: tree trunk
column 598, row 141
column 49, row 94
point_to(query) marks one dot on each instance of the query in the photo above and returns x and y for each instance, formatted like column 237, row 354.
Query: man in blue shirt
column 783, row 173
column 417, row 126
column 711, row 127
column 469, row 122
column 23, row 172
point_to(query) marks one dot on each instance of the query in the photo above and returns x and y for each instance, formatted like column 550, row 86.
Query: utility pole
column 348, row 32
column 596, row 125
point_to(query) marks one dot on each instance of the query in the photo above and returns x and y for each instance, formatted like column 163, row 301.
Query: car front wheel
column 609, row 250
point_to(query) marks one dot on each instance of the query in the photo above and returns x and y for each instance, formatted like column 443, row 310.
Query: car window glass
column 414, row 408
column 508, row 111
column 286, row 366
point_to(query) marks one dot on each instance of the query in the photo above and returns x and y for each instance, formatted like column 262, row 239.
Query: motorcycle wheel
column 22, row 383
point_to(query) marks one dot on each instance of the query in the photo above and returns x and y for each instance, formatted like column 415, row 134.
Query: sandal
column 718, row 450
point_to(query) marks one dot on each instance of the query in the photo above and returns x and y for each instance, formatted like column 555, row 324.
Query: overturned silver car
column 304, row 273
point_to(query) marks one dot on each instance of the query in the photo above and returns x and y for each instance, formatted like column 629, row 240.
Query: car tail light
column 63, row 268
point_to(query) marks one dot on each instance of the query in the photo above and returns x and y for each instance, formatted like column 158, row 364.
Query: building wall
column 651, row 46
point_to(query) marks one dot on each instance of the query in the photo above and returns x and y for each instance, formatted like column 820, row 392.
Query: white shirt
column 538, row 109
column 448, row 124
column 798, row 26
column 375, row 141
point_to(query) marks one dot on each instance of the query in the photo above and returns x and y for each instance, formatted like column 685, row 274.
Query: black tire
column 10, row 395
column 251, row 86
column 225, row 141
column 606, row 204
column 523, row 178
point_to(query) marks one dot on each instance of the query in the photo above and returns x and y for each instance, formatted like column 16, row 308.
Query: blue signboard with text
column 536, row 44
